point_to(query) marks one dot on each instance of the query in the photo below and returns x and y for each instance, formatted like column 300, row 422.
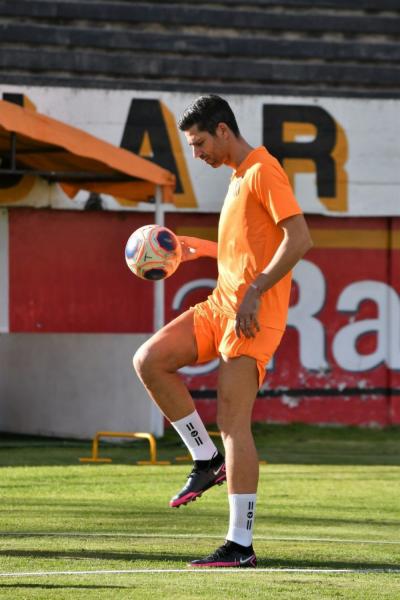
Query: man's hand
column 295, row 243
column 193, row 248
column 246, row 316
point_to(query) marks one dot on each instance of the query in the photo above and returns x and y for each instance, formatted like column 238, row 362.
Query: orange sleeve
column 272, row 187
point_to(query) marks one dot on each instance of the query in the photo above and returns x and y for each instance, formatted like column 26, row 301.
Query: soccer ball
column 153, row 252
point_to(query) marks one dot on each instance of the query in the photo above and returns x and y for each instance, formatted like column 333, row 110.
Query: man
column 262, row 234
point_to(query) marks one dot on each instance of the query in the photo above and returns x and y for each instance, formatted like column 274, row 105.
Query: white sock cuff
column 195, row 436
column 182, row 422
column 241, row 518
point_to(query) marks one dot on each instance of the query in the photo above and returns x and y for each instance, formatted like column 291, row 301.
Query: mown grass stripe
column 197, row 570
column 192, row 536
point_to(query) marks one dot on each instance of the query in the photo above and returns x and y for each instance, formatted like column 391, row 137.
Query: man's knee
column 233, row 418
column 143, row 362
column 152, row 359
column 168, row 350
column 222, row 415
column 229, row 424
column 138, row 360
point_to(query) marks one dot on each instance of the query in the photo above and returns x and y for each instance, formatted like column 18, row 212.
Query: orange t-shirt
column 258, row 198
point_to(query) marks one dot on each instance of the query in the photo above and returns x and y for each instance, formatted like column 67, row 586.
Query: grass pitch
column 327, row 521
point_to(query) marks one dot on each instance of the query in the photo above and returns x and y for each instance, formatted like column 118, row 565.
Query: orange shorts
column 215, row 336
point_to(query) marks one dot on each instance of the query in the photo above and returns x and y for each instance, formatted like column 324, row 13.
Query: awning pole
column 13, row 150
column 159, row 315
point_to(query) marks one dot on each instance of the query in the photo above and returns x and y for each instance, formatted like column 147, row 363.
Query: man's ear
column 223, row 130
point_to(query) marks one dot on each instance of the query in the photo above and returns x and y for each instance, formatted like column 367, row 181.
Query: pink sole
column 188, row 498
column 208, row 565
column 192, row 496
column 221, row 565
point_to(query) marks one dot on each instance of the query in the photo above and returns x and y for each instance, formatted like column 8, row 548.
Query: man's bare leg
column 157, row 363
column 158, row 360
column 237, row 391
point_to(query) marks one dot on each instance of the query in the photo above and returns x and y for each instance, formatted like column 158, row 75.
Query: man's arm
column 295, row 243
column 193, row 248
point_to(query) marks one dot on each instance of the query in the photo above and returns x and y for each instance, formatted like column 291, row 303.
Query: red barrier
column 339, row 361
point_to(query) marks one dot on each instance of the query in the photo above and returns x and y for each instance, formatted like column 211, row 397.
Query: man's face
column 207, row 147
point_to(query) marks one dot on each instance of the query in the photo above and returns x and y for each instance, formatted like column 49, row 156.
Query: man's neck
column 240, row 150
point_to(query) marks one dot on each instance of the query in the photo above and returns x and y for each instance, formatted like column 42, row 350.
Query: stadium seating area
column 260, row 46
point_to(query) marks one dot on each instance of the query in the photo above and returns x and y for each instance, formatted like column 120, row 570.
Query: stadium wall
column 71, row 315
column 77, row 315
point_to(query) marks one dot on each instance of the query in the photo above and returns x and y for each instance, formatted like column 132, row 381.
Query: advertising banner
column 63, row 271
column 342, row 155
column 339, row 360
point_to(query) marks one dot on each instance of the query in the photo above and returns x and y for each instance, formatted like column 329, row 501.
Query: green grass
column 328, row 499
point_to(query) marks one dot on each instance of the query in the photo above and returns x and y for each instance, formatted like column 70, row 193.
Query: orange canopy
column 38, row 145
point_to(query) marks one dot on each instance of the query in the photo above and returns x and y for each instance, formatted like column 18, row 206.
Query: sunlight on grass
column 59, row 515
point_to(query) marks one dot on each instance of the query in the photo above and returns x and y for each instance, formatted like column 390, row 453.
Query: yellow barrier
column 123, row 434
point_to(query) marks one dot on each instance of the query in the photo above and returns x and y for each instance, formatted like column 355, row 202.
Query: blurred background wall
column 319, row 84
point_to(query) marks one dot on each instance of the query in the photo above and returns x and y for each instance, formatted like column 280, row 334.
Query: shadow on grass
column 49, row 586
column 162, row 516
column 325, row 564
column 169, row 559
column 278, row 444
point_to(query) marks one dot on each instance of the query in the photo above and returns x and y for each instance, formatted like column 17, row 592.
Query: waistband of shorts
column 223, row 312
column 204, row 308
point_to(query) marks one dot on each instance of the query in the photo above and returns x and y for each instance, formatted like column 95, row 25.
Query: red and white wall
column 72, row 314
column 76, row 315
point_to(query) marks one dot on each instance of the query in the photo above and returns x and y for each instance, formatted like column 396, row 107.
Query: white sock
column 195, row 437
column 241, row 518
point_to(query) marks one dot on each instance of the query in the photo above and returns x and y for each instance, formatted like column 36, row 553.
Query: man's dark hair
column 206, row 112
